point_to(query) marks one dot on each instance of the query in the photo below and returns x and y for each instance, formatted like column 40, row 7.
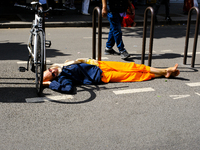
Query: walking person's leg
column 157, row 6
column 85, row 7
column 71, row 3
column 167, row 9
column 115, row 35
column 111, row 41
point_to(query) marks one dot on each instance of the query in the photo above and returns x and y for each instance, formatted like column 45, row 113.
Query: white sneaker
column 85, row 13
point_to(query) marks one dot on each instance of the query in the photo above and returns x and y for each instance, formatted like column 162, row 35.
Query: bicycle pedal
column 22, row 69
column 47, row 43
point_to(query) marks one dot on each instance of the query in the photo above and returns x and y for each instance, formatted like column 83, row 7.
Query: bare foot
column 176, row 73
column 172, row 71
column 134, row 24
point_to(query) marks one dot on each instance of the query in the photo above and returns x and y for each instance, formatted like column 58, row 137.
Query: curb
column 85, row 24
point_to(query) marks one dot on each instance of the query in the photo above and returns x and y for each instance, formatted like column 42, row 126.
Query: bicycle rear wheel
column 30, row 45
column 39, row 65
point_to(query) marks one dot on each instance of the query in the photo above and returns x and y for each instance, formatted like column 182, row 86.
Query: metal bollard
column 195, row 37
column 151, row 36
column 95, row 11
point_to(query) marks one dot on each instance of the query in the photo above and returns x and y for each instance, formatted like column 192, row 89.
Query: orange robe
column 124, row 72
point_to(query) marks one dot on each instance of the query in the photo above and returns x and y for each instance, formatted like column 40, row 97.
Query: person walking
column 115, row 10
column 167, row 8
column 85, row 7
column 188, row 4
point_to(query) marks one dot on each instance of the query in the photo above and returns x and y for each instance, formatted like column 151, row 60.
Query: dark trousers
column 157, row 6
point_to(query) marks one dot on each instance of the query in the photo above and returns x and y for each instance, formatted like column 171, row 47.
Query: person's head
column 50, row 74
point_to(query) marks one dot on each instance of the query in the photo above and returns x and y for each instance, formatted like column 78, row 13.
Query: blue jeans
column 115, row 33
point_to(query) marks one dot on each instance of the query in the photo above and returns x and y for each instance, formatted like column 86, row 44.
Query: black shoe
column 124, row 55
column 110, row 52
column 168, row 19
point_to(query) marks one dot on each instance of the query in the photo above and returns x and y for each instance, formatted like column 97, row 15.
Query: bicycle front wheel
column 39, row 62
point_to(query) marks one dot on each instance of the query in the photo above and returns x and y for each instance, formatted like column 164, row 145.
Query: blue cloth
column 72, row 75
column 43, row 1
column 115, row 33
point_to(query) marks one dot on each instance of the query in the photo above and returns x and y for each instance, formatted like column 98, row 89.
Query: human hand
column 104, row 12
column 82, row 60
column 46, row 83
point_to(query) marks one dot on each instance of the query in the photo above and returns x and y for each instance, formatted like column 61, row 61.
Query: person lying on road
column 62, row 77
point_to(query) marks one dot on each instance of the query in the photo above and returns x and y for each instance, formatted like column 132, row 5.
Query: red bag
column 128, row 20
column 188, row 4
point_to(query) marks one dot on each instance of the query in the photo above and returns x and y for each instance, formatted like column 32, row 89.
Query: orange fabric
column 124, row 72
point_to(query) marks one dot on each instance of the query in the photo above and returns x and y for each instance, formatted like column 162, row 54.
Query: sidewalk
column 14, row 17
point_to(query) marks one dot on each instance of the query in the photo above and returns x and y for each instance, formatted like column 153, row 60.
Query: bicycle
column 37, row 45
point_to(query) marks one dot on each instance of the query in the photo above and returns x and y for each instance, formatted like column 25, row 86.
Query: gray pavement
column 166, row 116
column 159, row 114
column 12, row 17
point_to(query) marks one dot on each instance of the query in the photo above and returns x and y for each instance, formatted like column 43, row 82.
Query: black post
column 195, row 37
column 95, row 11
column 151, row 36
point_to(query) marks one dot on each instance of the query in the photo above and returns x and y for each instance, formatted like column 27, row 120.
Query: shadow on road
column 16, row 94
column 86, row 88
column 19, row 51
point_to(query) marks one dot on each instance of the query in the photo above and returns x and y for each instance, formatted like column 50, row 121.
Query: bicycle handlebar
column 23, row 6
column 50, row 8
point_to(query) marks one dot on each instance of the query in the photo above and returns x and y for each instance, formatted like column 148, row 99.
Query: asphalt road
column 156, row 114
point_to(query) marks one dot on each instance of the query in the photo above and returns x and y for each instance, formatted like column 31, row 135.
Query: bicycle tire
column 39, row 65
column 31, row 48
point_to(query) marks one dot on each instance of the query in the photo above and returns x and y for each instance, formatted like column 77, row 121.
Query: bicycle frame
column 37, row 45
column 37, row 26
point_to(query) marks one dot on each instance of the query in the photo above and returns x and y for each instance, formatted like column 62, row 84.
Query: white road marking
column 48, row 98
column 168, row 50
column 104, row 58
column 25, row 62
column 197, row 93
column 178, row 96
column 133, row 90
column 147, row 52
column 89, row 37
column 21, row 62
column 190, row 53
column 97, row 56
column 193, row 84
